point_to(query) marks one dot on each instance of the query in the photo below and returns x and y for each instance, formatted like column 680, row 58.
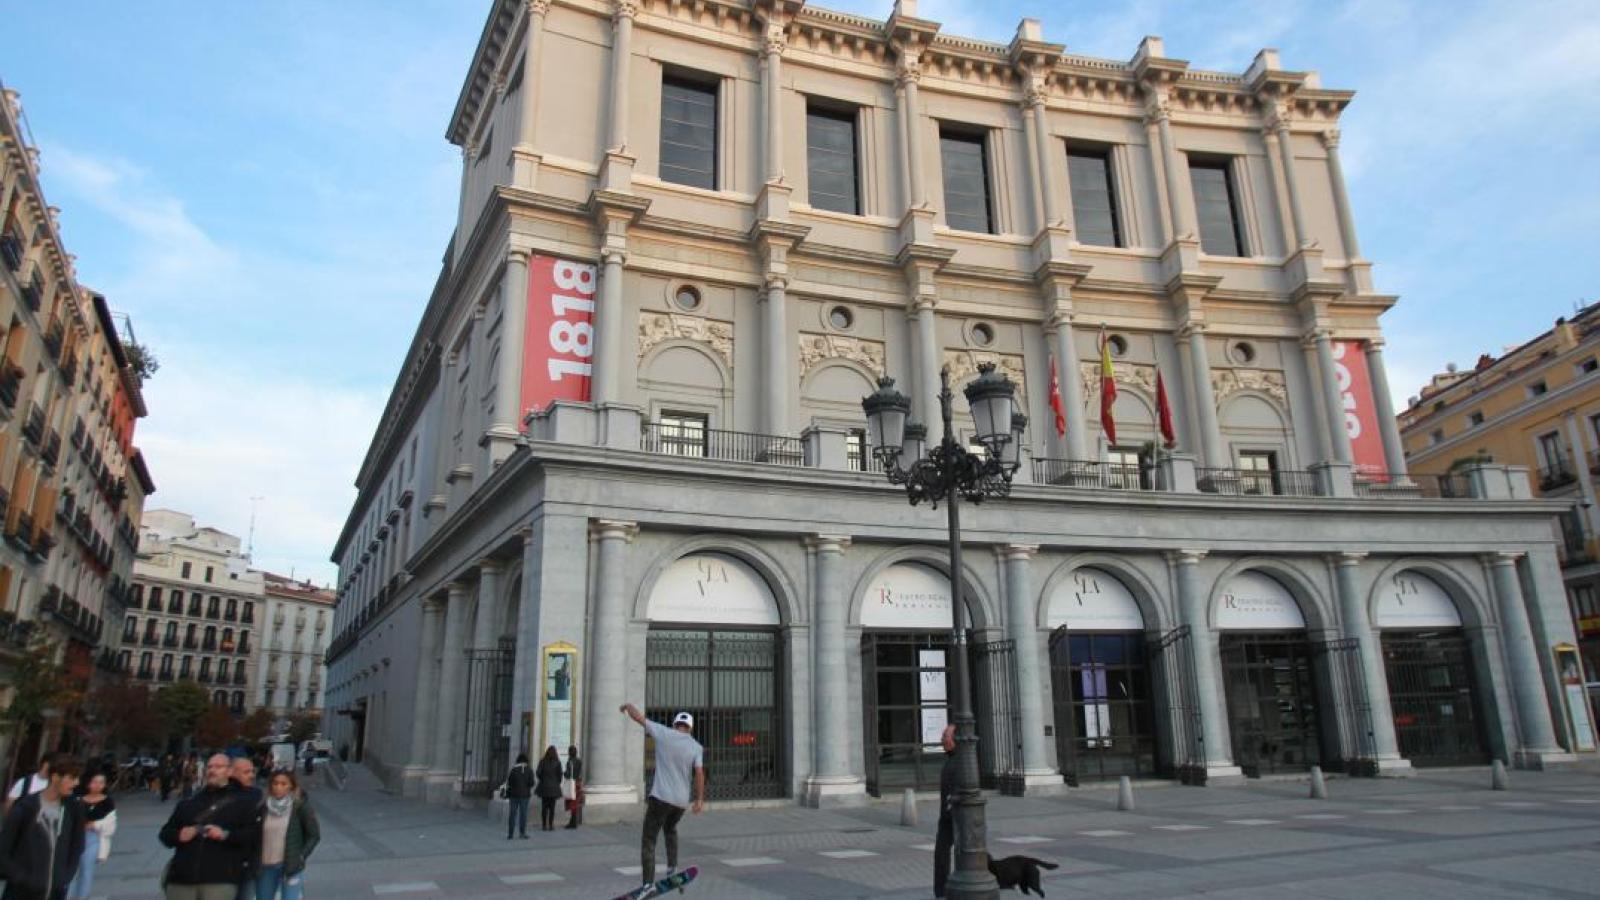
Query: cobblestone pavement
column 1441, row 833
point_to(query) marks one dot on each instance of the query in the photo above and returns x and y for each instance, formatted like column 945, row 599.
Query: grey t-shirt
column 677, row 756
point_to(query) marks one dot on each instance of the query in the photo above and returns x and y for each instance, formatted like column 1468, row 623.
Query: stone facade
column 294, row 640
column 707, row 487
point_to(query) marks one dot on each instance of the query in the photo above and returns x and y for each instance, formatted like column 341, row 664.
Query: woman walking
column 549, row 789
column 573, row 773
column 100, row 818
column 289, row 833
column 518, row 788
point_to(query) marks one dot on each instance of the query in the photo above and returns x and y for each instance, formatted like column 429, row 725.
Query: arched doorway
column 1428, row 663
column 1100, row 679
column 1268, row 674
column 715, row 650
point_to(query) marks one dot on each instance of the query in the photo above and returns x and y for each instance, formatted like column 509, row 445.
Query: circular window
column 983, row 334
column 1118, row 345
column 1242, row 353
column 687, row 297
column 841, row 318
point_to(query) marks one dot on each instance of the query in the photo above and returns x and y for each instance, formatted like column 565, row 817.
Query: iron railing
column 1555, row 475
column 1257, row 482
column 714, row 443
column 1091, row 473
column 1449, row 486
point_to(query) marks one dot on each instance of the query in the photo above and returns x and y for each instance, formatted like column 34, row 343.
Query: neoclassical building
column 624, row 459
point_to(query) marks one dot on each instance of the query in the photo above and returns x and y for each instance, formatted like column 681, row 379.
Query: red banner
column 1359, row 413
column 558, row 342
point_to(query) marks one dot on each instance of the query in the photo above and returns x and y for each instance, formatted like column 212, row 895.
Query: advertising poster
column 558, row 340
column 934, row 718
column 1360, row 412
column 560, row 693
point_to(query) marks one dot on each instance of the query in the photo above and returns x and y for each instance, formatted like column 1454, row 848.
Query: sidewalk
column 1442, row 832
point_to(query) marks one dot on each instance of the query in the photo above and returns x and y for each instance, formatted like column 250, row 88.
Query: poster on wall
column 1570, row 670
column 560, row 694
column 558, row 339
column 1360, row 412
column 934, row 718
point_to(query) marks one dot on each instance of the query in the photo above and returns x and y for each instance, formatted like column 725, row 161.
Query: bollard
column 908, row 808
column 1497, row 777
column 1125, row 794
column 1319, row 787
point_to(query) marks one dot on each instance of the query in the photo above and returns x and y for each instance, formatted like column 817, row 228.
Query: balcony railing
column 1257, row 482
column 1447, row 486
column 239, row 678
column 1089, row 473
column 1556, row 475
column 10, row 384
column 190, row 643
column 33, row 430
column 713, row 443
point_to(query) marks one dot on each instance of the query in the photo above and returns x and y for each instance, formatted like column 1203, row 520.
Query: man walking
column 944, row 843
column 213, row 834
column 243, row 775
column 29, row 784
column 678, row 756
column 43, row 836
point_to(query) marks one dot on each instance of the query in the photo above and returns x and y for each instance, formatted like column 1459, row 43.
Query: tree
column 38, row 689
column 256, row 726
column 216, row 728
column 179, row 705
column 302, row 725
column 141, row 360
column 124, row 714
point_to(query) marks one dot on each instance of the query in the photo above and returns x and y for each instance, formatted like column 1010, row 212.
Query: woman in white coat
column 100, row 814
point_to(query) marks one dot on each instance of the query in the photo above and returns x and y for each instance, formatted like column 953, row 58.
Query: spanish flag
column 1108, row 389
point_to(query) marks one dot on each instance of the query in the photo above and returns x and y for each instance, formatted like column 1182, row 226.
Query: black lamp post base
column 972, row 886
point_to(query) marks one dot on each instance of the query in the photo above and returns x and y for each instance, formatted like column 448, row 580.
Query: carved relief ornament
column 1135, row 375
column 816, row 349
column 656, row 328
column 1227, row 382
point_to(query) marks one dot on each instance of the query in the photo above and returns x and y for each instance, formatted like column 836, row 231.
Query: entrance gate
column 1432, row 691
column 486, row 750
column 1100, row 687
column 1272, row 702
column 1352, row 712
column 1172, row 666
column 994, row 702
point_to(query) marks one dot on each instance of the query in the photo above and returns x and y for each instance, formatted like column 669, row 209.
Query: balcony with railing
column 51, row 454
column 240, row 677
column 10, row 384
column 11, row 251
column 715, row 443
column 1556, row 474
column 1090, row 473
column 33, row 429
column 53, row 339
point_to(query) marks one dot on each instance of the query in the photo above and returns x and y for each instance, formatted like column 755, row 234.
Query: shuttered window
column 831, row 160
column 1215, row 206
column 689, row 132
column 966, row 181
column 1094, row 206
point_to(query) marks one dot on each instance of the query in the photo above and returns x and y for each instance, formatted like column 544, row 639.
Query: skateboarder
column 678, row 755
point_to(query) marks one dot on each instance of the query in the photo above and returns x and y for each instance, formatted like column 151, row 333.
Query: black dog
column 1019, row 872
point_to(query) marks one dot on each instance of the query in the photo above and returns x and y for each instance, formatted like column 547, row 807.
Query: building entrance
column 1434, row 698
column 1100, row 684
column 1272, row 707
column 905, row 678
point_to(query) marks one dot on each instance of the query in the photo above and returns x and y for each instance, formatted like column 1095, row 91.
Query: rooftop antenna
column 250, row 542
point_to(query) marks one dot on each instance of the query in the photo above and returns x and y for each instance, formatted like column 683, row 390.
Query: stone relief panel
column 1226, row 382
column 964, row 367
column 816, row 349
column 656, row 328
column 1136, row 375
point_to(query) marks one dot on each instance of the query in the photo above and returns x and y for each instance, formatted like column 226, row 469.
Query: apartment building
column 294, row 644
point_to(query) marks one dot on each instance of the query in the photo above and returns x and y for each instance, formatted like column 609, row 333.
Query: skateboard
column 673, row 882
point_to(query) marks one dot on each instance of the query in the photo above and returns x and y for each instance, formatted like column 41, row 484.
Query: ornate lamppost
column 950, row 472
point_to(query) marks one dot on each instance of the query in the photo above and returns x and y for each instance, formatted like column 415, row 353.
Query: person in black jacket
column 42, row 839
column 944, row 841
column 574, row 773
column 549, row 789
column 519, row 787
column 213, row 835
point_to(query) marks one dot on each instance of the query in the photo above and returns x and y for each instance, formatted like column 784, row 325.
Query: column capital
column 776, row 40
column 1157, row 101
column 517, row 255
column 537, row 7
column 1375, row 345
column 614, row 529
column 614, row 255
column 1503, row 557
column 1190, row 328
column 1036, row 96
column 490, row 566
column 624, row 9
column 1349, row 557
column 1016, row 551
column 1314, row 336
column 455, row 590
column 774, row 282
column 826, row 543
column 908, row 72
column 1186, row 556
column 1330, row 138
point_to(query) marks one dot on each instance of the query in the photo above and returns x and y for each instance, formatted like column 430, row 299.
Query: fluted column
column 424, row 708
column 1332, row 396
column 1216, row 745
column 832, row 776
column 622, row 17
column 1394, row 452
column 1375, row 681
column 525, row 160
column 446, row 772
column 609, row 779
column 1059, row 329
column 1022, row 626
column 1216, row 453
column 1341, row 196
column 1297, row 213
column 608, row 322
column 775, row 345
column 513, row 323
column 1522, row 659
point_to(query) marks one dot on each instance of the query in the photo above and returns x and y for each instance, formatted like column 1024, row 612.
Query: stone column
column 423, row 707
column 443, row 780
column 609, row 320
column 1059, row 329
column 1297, row 213
column 832, row 780
column 775, row 344
column 1036, row 121
column 1216, row 745
column 621, row 52
column 1280, row 186
column 772, row 88
column 1033, row 679
column 926, row 403
column 609, row 774
column 508, row 375
column 1215, row 452
column 1341, row 197
column 1182, row 206
column 1158, row 176
column 907, row 78
column 1535, row 727
column 486, row 618
column 1394, row 452
column 524, row 158
column 1328, row 379
column 1358, row 627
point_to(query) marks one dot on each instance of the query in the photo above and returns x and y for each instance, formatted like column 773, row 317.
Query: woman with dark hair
column 517, row 789
column 549, row 789
column 573, row 774
column 289, row 833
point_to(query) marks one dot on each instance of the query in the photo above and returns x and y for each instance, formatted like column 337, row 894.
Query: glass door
column 1100, row 682
column 904, row 678
column 1272, row 709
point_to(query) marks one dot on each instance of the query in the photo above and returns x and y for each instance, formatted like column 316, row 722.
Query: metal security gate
column 486, row 750
column 1100, row 685
column 1351, row 747
column 1434, row 696
column 729, row 681
column 905, row 707
column 1272, row 702
column 999, row 721
column 1177, row 709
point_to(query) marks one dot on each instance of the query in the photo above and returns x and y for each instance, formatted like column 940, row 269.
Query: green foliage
column 216, row 728
column 256, row 726
column 141, row 359
column 124, row 715
column 303, row 725
column 180, row 706
column 38, row 684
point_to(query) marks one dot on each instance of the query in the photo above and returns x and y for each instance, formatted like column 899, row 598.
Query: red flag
column 1164, row 412
column 1055, row 401
column 1108, row 389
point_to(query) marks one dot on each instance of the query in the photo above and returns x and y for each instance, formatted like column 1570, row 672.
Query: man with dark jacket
column 944, row 841
column 519, row 788
column 42, row 838
column 214, row 834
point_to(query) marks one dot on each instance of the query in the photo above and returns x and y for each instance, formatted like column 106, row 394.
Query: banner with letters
column 558, row 340
column 1359, row 412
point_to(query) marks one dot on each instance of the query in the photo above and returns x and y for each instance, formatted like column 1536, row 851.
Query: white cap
column 683, row 718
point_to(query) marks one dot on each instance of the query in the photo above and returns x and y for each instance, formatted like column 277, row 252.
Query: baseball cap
column 683, row 718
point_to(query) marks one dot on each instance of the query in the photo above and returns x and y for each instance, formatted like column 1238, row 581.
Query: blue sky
column 265, row 188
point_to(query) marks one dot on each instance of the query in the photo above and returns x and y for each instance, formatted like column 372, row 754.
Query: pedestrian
column 944, row 841
column 100, row 823
column 191, row 775
column 289, row 833
column 518, row 788
column 29, row 784
column 678, row 756
column 242, row 773
column 169, row 774
column 42, row 838
column 213, row 835
column 549, row 788
column 573, row 774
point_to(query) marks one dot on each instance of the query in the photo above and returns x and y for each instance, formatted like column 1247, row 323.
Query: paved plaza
column 1442, row 833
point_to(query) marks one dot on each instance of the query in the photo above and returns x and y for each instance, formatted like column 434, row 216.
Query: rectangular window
column 965, row 157
column 209, row 572
column 1094, row 204
column 1474, row 418
column 186, row 667
column 194, row 604
column 1216, row 207
column 187, row 568
column 1256, row 468
column 1436, row 436
column 155, row 599
column 1537, row 389
column 689, row 131
column 130, row 628
column 831, row 160
column 1589, row 365
column 683, row 434
column 855, row 449
column 213, row 608
column 1122, row 468
column 1551, row 453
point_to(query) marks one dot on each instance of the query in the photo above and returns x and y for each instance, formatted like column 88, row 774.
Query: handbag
column 502, row 792
column 569, row 789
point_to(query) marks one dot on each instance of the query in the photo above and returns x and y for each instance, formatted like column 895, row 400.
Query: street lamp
column 948, row 472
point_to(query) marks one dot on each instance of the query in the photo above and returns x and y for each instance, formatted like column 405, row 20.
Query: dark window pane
column 831, row 160
column 689, row 133
column 1213, row 203
column 966, row 182
column 1094, row 212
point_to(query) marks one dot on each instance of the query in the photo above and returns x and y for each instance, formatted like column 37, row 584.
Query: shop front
column 1428, row 662
column 716, row 650
column 1269, row 677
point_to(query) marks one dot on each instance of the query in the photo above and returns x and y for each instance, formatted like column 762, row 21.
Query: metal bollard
column 908, row 808
column 1125, row 794
column 1498, row 779
column 1319, row 786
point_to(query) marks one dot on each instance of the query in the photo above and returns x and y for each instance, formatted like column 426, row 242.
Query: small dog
column 1019, row 872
